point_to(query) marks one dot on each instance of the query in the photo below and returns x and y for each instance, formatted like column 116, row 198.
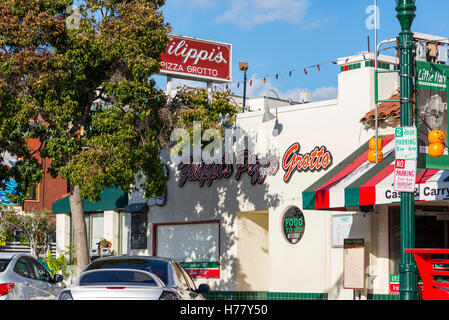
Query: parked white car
column 134, row 278
column 22, row 277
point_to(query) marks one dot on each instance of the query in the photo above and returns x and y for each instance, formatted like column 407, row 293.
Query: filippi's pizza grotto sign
column 257, row 169
column 197, row 59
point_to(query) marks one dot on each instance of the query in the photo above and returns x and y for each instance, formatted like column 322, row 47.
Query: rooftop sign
column 197, row 59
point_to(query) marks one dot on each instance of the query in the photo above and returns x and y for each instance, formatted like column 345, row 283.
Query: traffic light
column 372, row 150
column 436, row 139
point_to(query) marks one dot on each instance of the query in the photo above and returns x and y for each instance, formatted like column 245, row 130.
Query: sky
column 277, row 36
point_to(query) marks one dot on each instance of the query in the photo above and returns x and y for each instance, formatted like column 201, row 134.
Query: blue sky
column 276, row 36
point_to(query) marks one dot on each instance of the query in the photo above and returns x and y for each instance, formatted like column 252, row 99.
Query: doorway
column 431, row 231
column 252, row 268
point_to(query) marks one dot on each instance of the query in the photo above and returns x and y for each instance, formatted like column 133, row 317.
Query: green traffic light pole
column 408, row 279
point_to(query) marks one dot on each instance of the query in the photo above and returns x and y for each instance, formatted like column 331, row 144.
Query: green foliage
column 190, row 106
column 36, row 228
column 83, row 94
column 61, row 264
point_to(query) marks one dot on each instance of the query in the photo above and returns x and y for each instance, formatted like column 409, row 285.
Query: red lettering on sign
column 318, row 159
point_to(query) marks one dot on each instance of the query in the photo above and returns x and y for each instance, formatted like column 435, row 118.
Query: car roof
column 10, row 255
column 135, row 257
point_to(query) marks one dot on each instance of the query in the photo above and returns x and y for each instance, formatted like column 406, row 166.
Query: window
column 124, row 231
column 95, row 229
column 196, row 246
column 40, row 272
column 118, row 277
column 189, row 280
column 155, row 266
column 34, row 193
column 23, row 268
column 180, row 276
column 4, row 264
column 139, row 230
column 431, row 231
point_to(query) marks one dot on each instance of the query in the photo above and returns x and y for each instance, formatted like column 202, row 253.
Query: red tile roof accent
column 385, row 110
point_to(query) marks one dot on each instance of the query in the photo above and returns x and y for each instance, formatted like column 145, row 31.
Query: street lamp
column 268, row 116
column 408, row 279
column 243, row 66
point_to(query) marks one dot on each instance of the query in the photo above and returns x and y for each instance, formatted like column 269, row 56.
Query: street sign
column 406, row 143
column 404, row 175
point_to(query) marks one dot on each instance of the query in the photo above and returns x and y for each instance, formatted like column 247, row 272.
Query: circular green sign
column 293, row 225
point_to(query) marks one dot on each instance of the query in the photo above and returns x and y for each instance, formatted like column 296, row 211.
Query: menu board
column 354, row 264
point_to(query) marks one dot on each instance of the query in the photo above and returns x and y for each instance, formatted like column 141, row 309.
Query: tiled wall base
column 263, row 295
column 383, row 297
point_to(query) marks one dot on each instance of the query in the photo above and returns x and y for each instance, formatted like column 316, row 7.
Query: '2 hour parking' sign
column 406, row 143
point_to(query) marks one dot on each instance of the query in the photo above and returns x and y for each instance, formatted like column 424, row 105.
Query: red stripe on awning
column 322, row 193
column 322, row 199
column 425, row 175
column 368, row 189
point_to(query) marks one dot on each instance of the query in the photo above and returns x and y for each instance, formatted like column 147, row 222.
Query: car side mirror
column 58, row 278
column 203, row 288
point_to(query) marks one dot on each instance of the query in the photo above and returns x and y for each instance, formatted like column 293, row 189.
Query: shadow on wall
column 220, row 201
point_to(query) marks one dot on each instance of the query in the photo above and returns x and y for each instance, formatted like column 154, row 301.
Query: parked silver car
column 134, row 278
column 22, row 277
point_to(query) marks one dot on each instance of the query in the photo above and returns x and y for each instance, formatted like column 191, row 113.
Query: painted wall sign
column 203, row 173
column 11, row 186
column 293, row 225
column 318, row 159
column 197, row 59
column 209, row 270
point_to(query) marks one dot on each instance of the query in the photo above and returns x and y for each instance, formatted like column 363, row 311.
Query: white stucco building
column 233, row 234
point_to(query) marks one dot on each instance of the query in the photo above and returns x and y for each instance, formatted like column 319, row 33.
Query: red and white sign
column 404, row 175
column 197, row 59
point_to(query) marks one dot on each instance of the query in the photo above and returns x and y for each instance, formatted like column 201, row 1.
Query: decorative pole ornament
column 436, row 139
column 408, row 272
column 375, row 154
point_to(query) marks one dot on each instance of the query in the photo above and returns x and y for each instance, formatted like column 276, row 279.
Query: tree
column 37, row 231
column 80, row 83
column 85, row 93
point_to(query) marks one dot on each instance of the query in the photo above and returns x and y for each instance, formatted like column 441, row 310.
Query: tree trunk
column 79, row 229
column 33, row 249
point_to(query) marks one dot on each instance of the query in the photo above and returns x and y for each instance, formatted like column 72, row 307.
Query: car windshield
column 109, row 277
column 3, row 264
column 157, row 267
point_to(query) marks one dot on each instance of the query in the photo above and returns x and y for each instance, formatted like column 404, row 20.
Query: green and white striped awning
column 357, row 182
